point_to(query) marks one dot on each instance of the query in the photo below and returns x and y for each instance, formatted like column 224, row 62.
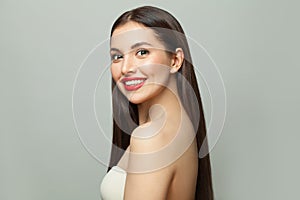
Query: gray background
column 254, row 43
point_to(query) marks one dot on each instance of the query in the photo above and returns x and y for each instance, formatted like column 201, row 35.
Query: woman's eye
column 116, row 57
column 142, row 52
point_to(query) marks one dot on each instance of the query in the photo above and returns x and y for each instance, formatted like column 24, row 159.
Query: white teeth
column 133, row 82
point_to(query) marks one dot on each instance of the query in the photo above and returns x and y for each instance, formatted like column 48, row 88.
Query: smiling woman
column 135, row 62
column 158, row 115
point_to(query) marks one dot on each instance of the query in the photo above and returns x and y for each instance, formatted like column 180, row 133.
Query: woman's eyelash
column 116, row 56
column 142, row 52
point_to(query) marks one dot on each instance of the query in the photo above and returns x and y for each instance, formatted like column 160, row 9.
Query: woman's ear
column 177, row 60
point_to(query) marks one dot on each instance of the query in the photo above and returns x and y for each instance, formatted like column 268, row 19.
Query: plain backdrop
column 255, row 45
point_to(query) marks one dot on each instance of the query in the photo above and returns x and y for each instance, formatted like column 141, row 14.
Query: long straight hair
column 153, row 18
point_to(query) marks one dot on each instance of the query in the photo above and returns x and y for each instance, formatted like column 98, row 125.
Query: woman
column 158, row 115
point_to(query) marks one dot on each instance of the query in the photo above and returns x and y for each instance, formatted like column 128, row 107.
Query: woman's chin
column 136, row 100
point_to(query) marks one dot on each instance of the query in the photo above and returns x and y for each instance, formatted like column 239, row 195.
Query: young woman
column 158, row 116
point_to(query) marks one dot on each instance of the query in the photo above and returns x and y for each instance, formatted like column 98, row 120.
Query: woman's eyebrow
column 115, row 49
column 136, row 45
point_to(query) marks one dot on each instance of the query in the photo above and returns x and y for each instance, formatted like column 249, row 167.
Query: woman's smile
column 133, row 83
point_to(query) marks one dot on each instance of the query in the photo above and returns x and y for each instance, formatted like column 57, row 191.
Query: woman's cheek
column 116, row 73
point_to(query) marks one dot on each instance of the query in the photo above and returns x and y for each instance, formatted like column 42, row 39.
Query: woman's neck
column 168, row 98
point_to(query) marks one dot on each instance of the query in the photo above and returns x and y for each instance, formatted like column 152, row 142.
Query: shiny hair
column 154, row 18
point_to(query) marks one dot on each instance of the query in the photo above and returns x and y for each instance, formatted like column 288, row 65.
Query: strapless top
column 113, row 184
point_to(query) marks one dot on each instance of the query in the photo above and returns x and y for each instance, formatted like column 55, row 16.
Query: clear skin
column 137, row 53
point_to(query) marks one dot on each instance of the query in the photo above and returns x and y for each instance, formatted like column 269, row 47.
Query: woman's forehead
column 126, row 36
column 128, row 26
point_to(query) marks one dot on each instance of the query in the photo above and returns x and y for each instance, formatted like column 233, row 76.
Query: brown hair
column 153, row 18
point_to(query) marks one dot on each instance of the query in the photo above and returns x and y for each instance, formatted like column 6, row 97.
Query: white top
column 113, row 184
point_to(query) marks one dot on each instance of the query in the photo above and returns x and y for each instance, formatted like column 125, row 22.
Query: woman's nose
column 128, row 65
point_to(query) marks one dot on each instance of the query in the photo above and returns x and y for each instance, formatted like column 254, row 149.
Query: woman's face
column 140, row 65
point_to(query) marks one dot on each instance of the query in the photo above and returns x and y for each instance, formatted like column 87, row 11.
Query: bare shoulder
column 147, row 139
column 164, row 144
column 147, row 150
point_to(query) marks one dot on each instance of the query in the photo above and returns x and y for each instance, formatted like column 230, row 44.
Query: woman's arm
column 150, row 185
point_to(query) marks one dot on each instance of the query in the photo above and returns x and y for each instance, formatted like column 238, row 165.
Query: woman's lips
column 133, row 83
